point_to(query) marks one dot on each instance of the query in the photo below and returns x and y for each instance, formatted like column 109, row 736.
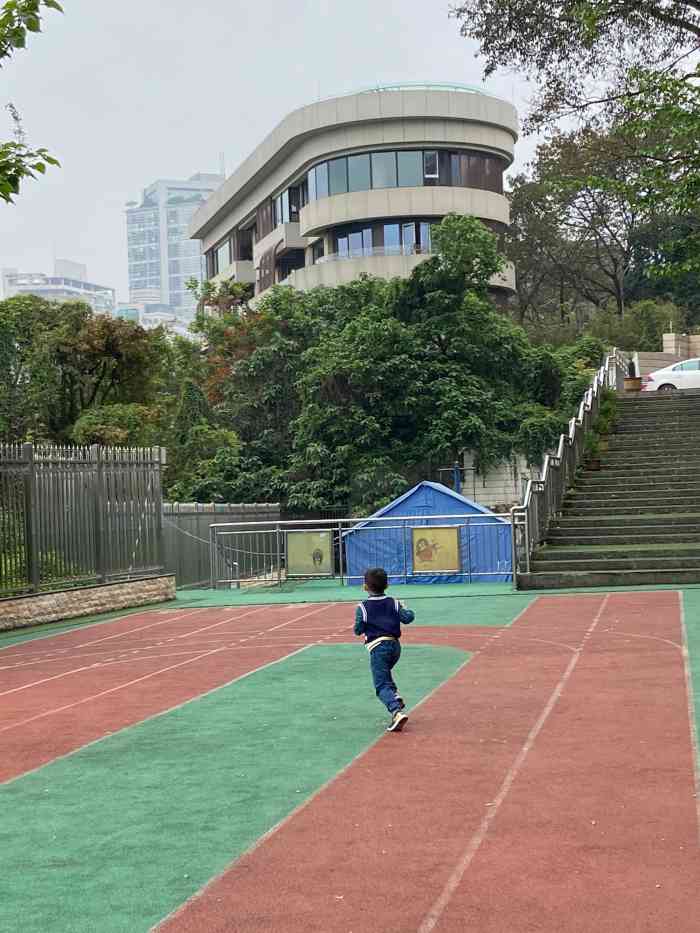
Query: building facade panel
column 341, row 271
column 401, row 202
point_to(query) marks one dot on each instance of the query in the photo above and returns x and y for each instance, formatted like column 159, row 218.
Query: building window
column 392, row 239
column 223, row 255
column 383, row 169
column 322, row 180
column 408, row 238
column 311, row 184
column 431, row 174
column 245, row 245
column 358, row 173
column 317, row 251
column 425, row 238
column 410, row 169
column 338, row 176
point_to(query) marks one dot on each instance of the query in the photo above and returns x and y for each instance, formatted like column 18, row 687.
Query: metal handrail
column 413, row 249
column 543, row 497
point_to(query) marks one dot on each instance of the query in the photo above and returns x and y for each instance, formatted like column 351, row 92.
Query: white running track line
column 95, row 696
column 130, row 683
column 692, row 721
column 250, row 612
column 77, row 670
column 436, row 911
column 302, row 806
column 164, row 712
column 77, row 626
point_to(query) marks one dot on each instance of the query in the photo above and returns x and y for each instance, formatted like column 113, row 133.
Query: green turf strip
column 691, row 607
column 117, row 835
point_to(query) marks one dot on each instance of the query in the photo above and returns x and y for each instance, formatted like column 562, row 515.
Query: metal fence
column 186, row 534
column 544, row 497
column 275, row 553
column 70, row 516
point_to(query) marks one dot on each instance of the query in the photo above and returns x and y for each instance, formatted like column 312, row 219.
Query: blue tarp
column 485, row 543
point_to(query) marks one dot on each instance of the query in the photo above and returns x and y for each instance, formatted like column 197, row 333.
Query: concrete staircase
column 637, row 520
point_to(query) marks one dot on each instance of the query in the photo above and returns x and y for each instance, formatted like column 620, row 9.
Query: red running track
column 62, row 692
column 548, row 786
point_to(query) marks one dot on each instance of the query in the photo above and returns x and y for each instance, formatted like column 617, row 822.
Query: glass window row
column 405, row 169
column 382, row 239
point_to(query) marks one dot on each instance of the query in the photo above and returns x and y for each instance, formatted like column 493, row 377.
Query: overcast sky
column 128, row 91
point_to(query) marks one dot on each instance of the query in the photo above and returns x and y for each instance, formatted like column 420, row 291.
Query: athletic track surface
column 548, row 785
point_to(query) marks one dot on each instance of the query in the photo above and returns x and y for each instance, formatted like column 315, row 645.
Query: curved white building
column 353, row 184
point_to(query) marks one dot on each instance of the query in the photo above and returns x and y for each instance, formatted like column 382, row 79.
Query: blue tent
column 484, row 538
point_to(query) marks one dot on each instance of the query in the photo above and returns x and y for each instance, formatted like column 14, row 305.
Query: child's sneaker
column 398, row 721
column 399, row 700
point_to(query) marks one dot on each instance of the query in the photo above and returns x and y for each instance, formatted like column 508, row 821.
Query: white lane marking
column 46, row 680
column 302, row 806
column 436, row 911
column 692, row 720
column 164, row 712
column 132, row 631
column 217, row 624
column 146, row 676
column 79, row 626
column 95, row 696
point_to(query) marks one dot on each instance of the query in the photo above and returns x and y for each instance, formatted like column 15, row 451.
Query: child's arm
column 406, row 615
column 359, row 622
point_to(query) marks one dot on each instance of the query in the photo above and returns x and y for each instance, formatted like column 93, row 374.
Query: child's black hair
column 376, row 580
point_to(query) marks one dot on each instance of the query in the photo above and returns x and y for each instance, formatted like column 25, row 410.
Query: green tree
column 19, row 18
column 63, row 359
column 131, row 425
column 569, row 48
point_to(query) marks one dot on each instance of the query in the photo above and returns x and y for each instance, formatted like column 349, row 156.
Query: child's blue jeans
column 381, row 660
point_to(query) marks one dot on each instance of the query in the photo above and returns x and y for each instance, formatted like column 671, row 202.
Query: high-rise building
column 161, row 256
column 354, row 184
column 68, row 283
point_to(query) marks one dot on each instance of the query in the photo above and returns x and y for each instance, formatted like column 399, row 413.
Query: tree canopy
column 19, row 19
column 580, row 53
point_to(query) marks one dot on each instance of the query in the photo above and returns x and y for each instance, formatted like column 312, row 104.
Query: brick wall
column 21, row 611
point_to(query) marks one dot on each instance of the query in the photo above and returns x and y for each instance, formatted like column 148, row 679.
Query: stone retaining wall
column 21, row 611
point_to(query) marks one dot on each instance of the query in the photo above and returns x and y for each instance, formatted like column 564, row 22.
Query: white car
column 685, row 375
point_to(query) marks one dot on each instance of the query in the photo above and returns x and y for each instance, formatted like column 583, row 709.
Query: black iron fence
column 70, row 516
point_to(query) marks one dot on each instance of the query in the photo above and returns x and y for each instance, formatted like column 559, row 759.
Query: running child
column 379, row 619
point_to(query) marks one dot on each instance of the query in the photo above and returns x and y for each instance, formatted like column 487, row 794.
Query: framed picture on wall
column 436, row 549
column 309, row 554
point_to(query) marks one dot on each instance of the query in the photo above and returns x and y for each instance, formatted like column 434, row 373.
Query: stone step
column 620, row 459
column 559, row 537
column 618, row 563
column 653, row 444
column 636, row 551
column 634, row 490
column 670, row 429
column 613, row 471
column 658, row 501
column 639, row 508
column 572, row 579
column 611, row 478
column 638, row 485
column 661, row 419
column 686, row 522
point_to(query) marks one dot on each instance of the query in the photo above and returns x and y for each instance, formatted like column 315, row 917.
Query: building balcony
column 387, row 262
column 283, row 238
column 242, row 270
column 385, row 203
